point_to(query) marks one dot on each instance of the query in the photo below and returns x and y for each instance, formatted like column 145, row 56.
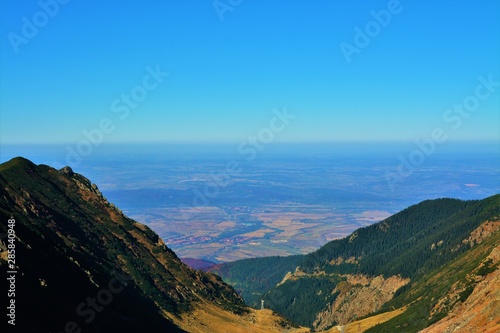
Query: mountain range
column 83, row 266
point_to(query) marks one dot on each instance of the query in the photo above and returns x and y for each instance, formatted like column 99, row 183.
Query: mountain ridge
column 74, row 248
column 408, row 245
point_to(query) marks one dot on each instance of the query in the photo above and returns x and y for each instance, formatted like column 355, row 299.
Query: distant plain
column 280, row 203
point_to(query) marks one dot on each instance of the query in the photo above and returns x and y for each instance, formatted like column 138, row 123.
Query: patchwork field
column 227, row 234
column 276, row 204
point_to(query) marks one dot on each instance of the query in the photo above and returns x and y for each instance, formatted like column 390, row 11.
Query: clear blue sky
column 226, row 76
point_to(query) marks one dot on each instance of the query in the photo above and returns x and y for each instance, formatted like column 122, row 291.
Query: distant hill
column 201, row 264
column 84, row 266
column 356, row 276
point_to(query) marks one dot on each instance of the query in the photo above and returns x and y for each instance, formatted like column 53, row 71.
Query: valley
column 433, row 266
column 404, row 262
column 280, row 203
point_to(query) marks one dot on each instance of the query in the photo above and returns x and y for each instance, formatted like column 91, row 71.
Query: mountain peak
column 67, row 171
column 17, row 163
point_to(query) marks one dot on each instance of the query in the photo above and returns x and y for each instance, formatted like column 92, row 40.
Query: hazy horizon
column 216, row 203
column 41, row 153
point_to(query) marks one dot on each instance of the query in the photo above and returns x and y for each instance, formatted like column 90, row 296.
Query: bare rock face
column 482, row 232
column 360, row 295
column 480, row 312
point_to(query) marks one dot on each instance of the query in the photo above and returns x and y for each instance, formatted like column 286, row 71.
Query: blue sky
column 225, row 77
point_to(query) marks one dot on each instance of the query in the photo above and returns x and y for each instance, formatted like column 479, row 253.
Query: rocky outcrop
column 484, row 231
column 359, row 296
column 481, row 310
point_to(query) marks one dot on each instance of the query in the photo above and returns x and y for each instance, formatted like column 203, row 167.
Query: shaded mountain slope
column 83, row 265
column 253, row 277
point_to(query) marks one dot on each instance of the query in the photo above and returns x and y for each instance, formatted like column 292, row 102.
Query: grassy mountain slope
column 444, row 294
column 85, row 266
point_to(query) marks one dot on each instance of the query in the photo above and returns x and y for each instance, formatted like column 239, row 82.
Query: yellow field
column 364, row 324
column 212, row 319
column 209, row 318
